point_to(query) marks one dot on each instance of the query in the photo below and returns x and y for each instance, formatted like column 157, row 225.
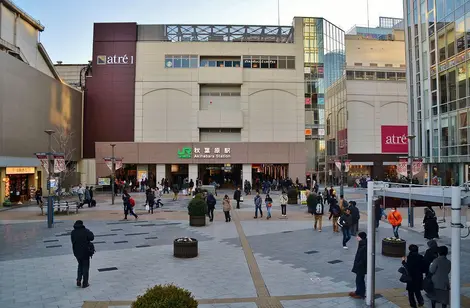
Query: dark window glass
column 282, row 62
column 391, row 76
column 185, row 62
column 236, row 63
column 433, row 57
column 255, row 61
column 452, row 86
column 264, row 62
column 272, row 62
column 246, row 62
column 360, row 75
column 291, row 62
column 350, row 75
column 220, row 64
column 381, row 76
column 370, row 75
column 212, row 63
column 228, row 64
column 433, row 83
column 462, row 80
column 443, row 88
column 177, row 62
column 401, row 76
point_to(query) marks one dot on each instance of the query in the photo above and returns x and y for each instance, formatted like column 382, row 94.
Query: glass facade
column 438, row 56
column 324, row 63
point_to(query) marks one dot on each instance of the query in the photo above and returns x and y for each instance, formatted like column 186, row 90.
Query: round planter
column 197, row 221
column 185, row 249
column 394, row 249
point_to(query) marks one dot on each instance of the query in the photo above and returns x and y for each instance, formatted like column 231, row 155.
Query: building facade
column 367, row 107
column 32, row 99
column 438, row 60
column 247, row 102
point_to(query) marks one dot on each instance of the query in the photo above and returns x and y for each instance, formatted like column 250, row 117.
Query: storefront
column 228, row 164
column 19, row 184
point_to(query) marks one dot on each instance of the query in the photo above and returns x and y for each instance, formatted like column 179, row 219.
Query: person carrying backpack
column 318, row 212
column 83, row 249
column 129, row 204
column 335, row 213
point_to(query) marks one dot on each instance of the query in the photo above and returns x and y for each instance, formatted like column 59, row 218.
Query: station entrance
column 226, row 175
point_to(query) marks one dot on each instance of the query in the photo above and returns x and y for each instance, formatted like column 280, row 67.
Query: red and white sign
column 44, row 161
column 402, row 167
column 118, row 164
column 347, row 165
column 338, row 164
column 416, row 166
column 394, row 139
column 59, row 164
column 342, row 137
column 109, row 163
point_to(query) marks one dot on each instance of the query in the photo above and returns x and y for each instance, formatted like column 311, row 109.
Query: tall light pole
column 113, row 170
column 410, row 159
column 50, row 208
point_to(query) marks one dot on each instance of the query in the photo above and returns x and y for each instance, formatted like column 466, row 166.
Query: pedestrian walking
column 258, row 203
column 431, row 253
column 80, row 192
column 335, row 213
column 345, row 222
column 269, row 204
column 38, row 195
column 431, row 227
column 237, row 196
column 211, row 202
column 158, row 197
column 415, row 267
column 378, row 212
column 87, row 196
column 440, row 269
column 395, row 219
column 356, row 216
column 151, row 200
column 318, row 211
column 227, row 207
column 129, row 204
column 83, row 250
column 283, row 201
column 360, row 267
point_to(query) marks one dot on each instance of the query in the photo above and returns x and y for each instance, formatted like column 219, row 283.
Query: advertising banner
column 44, row 161
column 109, row 163
column 338, row 164
column 416, row 166
column 347, row 165
column 342, row 137
column 118, row 164
column 394, row 139
column 104, row 181
column 402, row 167
column 59, row 163
column 303, row 197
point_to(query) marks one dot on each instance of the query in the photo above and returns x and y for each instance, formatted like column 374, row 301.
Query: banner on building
column 338, row 164
column 109, row 163
column 117, row 161
column 347, row 165
column 416, row 166
column 59, row 164
column 44, row 161
column 402, row 167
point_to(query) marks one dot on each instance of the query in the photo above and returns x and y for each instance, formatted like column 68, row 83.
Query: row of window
column 192, row 61
column 272, row 62
column 368, row 75
column 221, row 94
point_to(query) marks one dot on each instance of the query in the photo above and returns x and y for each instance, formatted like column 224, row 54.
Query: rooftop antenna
column 278, row 14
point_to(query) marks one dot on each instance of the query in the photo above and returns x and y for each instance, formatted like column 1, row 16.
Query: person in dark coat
column 237, row 196
column 431, row 228
column 81, row 238
column 431, row 253
column 345, row 222
column 211, row 202
column 378, row 211
column 355, row 218
column 360, row 267
column 415, row 266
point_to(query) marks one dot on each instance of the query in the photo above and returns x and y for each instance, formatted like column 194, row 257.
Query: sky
column 68, row 34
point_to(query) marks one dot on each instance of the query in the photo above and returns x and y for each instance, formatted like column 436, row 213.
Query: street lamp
column 410, row 159
column 113, row 170
column 50, row 208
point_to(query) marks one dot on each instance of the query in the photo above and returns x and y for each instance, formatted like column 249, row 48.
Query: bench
column 62, row 206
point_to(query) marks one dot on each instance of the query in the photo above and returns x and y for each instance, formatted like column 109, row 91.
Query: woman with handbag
column 395, row 219
column 269, row 203
column 414, row 266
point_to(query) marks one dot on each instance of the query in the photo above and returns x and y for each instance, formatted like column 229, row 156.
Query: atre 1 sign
column 394, row 139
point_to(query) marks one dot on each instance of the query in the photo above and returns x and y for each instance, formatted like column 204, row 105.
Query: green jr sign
column 185, row 153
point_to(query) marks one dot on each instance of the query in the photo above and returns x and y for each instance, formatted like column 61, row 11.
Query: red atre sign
column 394, row 139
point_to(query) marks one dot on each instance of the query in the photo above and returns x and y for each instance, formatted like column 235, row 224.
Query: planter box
column 185, row 249
column 197, row 221
column 393, row 249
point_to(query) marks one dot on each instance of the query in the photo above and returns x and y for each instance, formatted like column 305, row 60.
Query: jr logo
column 185, row 153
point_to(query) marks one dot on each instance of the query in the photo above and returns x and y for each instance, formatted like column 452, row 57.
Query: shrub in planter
column 197, row 206
column 292, row 195
column 7, row 203
column 165, row 296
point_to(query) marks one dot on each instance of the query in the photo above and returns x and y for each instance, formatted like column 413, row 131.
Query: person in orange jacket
column 395, row 219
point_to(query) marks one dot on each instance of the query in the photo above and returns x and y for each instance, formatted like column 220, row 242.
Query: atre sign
column 114, row 60
column 394, row 139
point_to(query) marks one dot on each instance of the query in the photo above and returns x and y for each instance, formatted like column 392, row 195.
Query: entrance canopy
column 438, row 194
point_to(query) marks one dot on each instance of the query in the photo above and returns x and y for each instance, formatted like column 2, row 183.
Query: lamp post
column 50, row 209
column 410, row 158
column 113, row 170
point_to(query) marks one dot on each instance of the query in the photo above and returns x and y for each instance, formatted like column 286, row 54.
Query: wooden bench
column 61, row 206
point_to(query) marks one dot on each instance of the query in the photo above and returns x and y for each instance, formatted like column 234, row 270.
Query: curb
column 4, row 209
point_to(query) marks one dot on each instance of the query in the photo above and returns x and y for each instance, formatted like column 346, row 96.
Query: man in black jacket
column 345, row 222
column 360, row 267
column 355, row 217
column 237, row 196
column 81, row 238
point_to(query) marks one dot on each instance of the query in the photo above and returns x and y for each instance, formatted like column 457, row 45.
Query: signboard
column 394, row 139
column 59, row 164
column 416, row 166
column 308, row 132
column 303, row 197
column 347, row 165
column 338, row 164
column 20, row 170
column 342, row 136
column 402, row 167
column 44, row 161
column 204, row 153
column 114, row 59
column 141, row 175
column 109, row 163
column 104, row 181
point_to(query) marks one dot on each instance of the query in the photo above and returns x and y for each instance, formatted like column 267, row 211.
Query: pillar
column 2, row 185
column 193, row 172
column 160, row 173
column 142, row 172
column 246, row 174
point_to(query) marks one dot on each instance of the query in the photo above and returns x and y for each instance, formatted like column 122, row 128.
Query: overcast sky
column 69, row 23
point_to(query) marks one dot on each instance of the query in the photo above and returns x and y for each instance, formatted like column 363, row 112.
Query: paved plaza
column 243, row 264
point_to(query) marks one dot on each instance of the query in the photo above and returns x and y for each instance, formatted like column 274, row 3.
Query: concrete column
column 246, row 174
column 161, row 172
column 142, row 172
column 193, row 172
column 2, row 185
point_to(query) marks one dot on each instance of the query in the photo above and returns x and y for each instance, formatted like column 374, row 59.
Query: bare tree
column 63, row 144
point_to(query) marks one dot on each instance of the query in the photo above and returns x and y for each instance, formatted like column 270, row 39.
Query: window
column 185, row 61
column 349, row 75
column 264, row 62
column 381, row 76
column 372, row 64
column 282, row 62
column 357, row 64
column 460, row 34
column 290, row 62
column 370, row 75
column 247, row 61
column 401, row 76
column 391, row 76
column 388, row 65
column 360, row 75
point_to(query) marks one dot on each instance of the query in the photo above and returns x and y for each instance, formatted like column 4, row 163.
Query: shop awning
column 12, row 161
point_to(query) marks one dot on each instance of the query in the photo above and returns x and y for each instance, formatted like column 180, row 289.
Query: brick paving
column 244, row 264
